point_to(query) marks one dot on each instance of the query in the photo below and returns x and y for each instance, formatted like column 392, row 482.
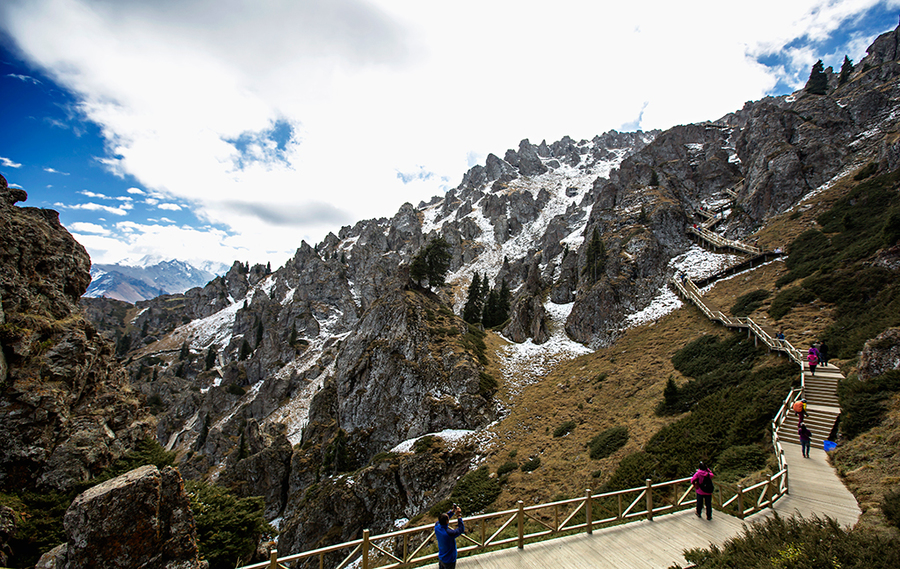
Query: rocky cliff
column 67, row 407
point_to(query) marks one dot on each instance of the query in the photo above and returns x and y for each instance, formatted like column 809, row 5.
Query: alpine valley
column 315, row 384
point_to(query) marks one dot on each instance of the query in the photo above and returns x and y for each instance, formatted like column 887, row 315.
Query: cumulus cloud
column 169, row 206
column 122, row 210
column 92, row 228
column 308, row 115
column 9, row 163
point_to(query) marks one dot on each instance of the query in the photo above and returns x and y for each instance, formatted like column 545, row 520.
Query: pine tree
column 210, row 361
column 474, row 300
column 818, row 81
column 491, row 314
column 245, row 350
column 431, row 263
column 595, row 258
column 503, row 302
column 846, row 70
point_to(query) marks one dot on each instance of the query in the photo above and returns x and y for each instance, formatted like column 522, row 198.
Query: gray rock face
column 396, row 379
column 880, row 354
column 140, row 519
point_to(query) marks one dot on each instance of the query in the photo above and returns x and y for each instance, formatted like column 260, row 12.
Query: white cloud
column 122, row 210
column 9, row 163
column 190, row 93
column 24, row 78
column 54, row 171
column 94, row 195
column 92, row 228
column 169, row 206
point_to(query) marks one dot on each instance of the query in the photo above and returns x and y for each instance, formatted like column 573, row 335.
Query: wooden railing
column 524, row 524
column 688, row 289
column 719, row 241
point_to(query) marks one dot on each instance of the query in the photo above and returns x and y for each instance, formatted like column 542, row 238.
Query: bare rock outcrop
column 141, row 519
column 880, row 354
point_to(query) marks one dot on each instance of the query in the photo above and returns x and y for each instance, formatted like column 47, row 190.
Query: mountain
column 312, row 370
column 309, row 384
column 143, row 281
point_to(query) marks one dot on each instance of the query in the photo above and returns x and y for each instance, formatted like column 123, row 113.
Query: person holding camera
column 446, row 537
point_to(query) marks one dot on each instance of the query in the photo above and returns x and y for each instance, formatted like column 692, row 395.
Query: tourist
column 446, row 538
column 823, row 353
column 813, row 358
column 805, row 439
column 703, row 486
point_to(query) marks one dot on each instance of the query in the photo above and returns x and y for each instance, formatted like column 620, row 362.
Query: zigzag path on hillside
column 814, row 487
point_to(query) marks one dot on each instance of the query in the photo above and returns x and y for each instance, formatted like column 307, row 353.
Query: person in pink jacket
column 703, row 486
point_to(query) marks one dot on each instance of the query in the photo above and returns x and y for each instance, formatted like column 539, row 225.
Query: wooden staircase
column 823, row 409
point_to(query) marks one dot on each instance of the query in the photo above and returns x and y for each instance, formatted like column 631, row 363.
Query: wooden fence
column 525, row 524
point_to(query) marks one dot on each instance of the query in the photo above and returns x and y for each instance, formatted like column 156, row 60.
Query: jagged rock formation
column 139, row 519
column 66, row 407
column 320, row 365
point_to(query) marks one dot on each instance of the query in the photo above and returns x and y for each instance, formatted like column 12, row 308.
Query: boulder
column 139, row 519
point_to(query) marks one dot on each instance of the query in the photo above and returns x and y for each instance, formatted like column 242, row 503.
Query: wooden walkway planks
column 815, row 490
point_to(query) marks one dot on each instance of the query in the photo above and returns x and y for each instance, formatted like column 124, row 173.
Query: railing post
column 649, row 496
column 273, row 559
column 619, row 500
column 740, row 501
column 588, row 511
column 769, row 493
column 365, row 549
column 520, row 519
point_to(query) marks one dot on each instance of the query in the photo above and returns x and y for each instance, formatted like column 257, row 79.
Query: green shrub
column 739, row 461
column 788, row 299
column 634, row 470
column 228, row 528
column 747, row 303
column 867, row 171
column 507, row 467
column 531, row 464
column 440, row 508
column 424, row 444
column 608, row 442
column 890, row 507
column 564, row 429
column 863, row 402
column 487, row 385
column 799, row 543
column 475, row 491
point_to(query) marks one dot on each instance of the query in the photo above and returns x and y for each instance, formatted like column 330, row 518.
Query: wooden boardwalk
column 814, row 487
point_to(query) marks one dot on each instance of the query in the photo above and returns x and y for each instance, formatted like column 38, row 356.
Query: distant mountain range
column 149, row 278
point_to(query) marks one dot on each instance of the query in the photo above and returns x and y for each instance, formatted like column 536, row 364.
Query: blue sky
column 229, row 129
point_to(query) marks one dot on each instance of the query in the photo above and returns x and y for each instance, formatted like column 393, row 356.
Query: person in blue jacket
column 446, row 538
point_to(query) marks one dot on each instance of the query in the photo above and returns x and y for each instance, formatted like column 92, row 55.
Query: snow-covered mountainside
column 144, row 281
column 283, row 377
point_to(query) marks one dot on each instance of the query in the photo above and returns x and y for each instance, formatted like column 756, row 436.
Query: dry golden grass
column 636, row 369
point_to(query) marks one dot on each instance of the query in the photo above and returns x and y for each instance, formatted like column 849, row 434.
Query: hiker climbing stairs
column 823, row 409
column 819, row 389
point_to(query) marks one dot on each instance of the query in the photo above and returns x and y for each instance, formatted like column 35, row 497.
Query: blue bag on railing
column 829, row 445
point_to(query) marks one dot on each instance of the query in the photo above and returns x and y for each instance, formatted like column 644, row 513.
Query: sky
column 222, row 130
